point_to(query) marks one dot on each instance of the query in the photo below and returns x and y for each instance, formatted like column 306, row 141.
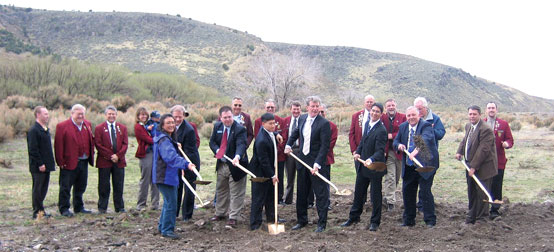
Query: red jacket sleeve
column 196, row 133
column 352, row 133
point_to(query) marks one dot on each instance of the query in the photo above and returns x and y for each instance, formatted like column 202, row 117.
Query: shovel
column 344, row 192
column 202, row 204
column 490, row 201
column 420, row 168
column 199, row 181
column 374, row 166
column 254, row 178
column 275, row 228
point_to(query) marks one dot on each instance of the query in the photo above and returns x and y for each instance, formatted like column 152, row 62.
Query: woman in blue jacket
column 165, row 167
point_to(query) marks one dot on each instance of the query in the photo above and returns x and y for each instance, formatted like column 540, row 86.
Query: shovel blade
column 425, row 169
column 343, row 192
column 205, row 205
column 377, row 166
column 202, row 182
column 259, row 179
column 275, row 229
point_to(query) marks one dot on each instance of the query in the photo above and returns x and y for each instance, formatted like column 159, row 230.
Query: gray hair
column 313, row 98
column 78, row 107
column 369, row 96
column 412, row 107
column 236, row 98
column 422, row 100
column 111, row 107
column 270, row 100
column 177, row 108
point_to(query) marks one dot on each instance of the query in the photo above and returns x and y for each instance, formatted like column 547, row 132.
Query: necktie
column 307, row 132
column 294, row 127
column 411, row 147
column 367, row 128
column 223, row 145
column 468, row 143
column 114, row 140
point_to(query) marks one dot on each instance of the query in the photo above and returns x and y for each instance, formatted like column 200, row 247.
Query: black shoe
column 311, row 205
column 298, row 226
column 390, row 207
column 494, row 215
column 349, row 223
column 254, row 227
column 281, row 202
column 171, row 236
column 67, row 213
column 430, row 225
column 84, row 211
column 122, row 210
column 373, row 227
column 319, row 229
column 288, row 203
column 407, row 224
column 186, row 219
column 281, row 220
column 101, row 211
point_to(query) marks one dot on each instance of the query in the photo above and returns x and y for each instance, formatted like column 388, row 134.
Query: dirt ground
column 522, row 227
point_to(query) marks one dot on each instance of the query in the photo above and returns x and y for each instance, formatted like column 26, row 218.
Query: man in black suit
column 371, row 149
column 41, row 158
column 185, row 135
column 314, row 133
column 229, row 138
column 263, row 165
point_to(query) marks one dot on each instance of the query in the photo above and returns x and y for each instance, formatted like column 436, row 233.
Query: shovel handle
column 478, row 182
column 240, row 166
column 192, row 189
column 194, row 168
column 415, row 160
column 316, row 173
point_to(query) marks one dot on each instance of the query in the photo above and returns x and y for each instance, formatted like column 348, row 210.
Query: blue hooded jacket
column 166, row 162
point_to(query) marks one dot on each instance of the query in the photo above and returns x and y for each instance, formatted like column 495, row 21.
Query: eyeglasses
column 270, row 107
column 237, row 105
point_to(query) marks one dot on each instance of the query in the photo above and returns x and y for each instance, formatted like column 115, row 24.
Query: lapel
column 475, row 134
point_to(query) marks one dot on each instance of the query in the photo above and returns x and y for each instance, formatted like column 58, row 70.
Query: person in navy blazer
column 314, row 154
column 110, row 161
column 186, row 136
column 371, row 149
column 231, row 181
column 411, row 179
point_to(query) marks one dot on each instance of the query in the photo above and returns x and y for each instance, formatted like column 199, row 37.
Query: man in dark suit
column 408, row 131
column 479, row 151
column 314, row 134
column 41, row 158
column 186, row 136
column 74, row 151
column 371, row 149
column 229, row 138
column 289, row 124
column 111, row 142
column 263, row 165
column 243, row 119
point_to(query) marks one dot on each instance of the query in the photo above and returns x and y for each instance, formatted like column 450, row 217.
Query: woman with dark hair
column 165, row 167
column 144, row 154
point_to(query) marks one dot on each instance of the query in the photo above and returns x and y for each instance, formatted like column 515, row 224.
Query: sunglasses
column 270, row 107
column 322, row 112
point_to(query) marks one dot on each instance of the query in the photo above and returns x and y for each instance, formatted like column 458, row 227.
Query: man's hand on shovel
column 275, row 180
column 287, row 150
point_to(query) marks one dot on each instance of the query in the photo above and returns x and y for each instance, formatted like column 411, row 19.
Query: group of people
column 168, row 153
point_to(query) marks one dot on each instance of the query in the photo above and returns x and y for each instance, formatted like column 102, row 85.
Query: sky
column 508, row 42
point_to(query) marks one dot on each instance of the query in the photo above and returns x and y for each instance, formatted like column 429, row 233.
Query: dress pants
column 478, row 208
column 166, row 224
column 78, row 180
column 311, row 195
column 394, row 171
column 262, row 196
column 290, row 168
column 230, row 193
column 118, row 180
column 281, row 177
column 188, row 202
column 321, row 190
column 496, row 189
column 40, row 188
column 360, row 196
column 410, row 183
column 145, row 182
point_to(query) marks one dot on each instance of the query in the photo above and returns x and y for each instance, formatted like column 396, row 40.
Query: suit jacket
column 372, row 146
column 104, row 145
column 39, row 146
column 502, row 133
column 334, row 136
column 236, row 145
column 319, row 140
column 65, row 144
column 186, row 136
column 144, row 140
column 399, row 118
column 262, row 163
column 355, row 134
column 482, row 151
column 425, row 130
column 278, row 129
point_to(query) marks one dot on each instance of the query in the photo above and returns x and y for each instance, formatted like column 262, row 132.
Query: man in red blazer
column 358, row 123
column 503, row 140
column 111, row 142
column 290, row 163
column 74, row 150
column 392, row 119
column 281, row 157
column 243, row 119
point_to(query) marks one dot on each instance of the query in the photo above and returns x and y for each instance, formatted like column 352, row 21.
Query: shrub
column 52, row 96
column 515, row 126
column 551, row 127
column 206, row 130
column 18, row 101
column 196, row 118
column 123, row 103
column 20, row 120
column 6, row 132
column 225, row 67
column 210, row 116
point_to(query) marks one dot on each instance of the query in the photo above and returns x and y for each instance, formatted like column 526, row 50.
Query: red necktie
column 222, row 146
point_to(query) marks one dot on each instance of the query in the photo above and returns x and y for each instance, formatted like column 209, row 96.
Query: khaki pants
column 394, row 171
column 230, row 193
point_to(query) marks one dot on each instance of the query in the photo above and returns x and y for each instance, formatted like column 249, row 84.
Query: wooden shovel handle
column 415, row 160
column 240, row 167
column 478, row 182
column 192, row 189
column 194, row 168
column 317, row 173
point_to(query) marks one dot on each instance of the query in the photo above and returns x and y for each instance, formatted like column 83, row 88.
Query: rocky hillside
column 207, row 54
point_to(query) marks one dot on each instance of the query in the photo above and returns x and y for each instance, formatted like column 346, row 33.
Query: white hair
column 177, row 108
column 78, row 107
column 422, row 100
column 412, row 107
column 369, row 96
column 111, row 107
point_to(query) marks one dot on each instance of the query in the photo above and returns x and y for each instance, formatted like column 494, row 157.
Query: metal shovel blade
column 275, row 228
column 259, row 179
column 377, row 166
column 344, row 192
column 201, row 182
column 425, row 169
column 204, row 205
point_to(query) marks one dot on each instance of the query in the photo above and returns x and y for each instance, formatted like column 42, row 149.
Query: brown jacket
column 482, row 151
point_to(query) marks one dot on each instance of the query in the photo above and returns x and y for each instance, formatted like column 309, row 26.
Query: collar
column 371, row 124
column 429, row 116
column 78, row 126
column 109, row 124
column 475, row 125
column 414, row 127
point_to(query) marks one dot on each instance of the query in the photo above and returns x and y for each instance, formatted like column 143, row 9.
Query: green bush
column 206, row 130
column 6, row 132
column 515, row 126
column 122, row 103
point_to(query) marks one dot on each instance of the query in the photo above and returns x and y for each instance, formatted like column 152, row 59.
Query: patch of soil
column 527, row 227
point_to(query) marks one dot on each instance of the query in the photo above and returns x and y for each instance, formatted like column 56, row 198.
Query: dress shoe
column 319, row 229
column 122, row 210
column 281, row 220
column 232, row 223
column 67, row 213
column 288, row 202
column 298, row 226
column 217, row 218
column 494, row 215
column 404, row 224
column 430, row 225
column 390, row 207
column 101, row 211
column 373, row 227
column 84, row 211
column 349, row 223
column 186, row 219
column 310, row 206
column 256, row 227
column 171, row 236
